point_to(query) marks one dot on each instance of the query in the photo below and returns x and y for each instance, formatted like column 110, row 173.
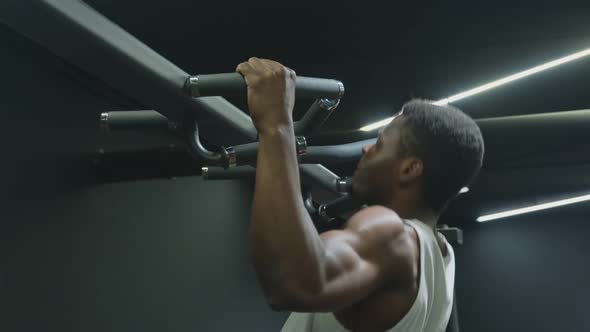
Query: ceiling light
column 493, row 84
column 534, row 208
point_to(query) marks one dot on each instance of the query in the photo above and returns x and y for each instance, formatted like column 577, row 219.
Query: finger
column 259, row 64
column 249, row 73
column 244, row 68
column 292, row 73
column 274, row 65
column 280, row 69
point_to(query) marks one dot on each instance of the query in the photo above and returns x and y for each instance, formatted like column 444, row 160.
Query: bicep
column 349, row 277
column 358, row 261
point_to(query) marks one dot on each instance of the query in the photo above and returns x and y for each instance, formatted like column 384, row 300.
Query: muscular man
column 387, row 269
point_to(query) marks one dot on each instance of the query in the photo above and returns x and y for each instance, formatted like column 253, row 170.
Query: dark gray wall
column 162, row 255
column 526, row 273
column 145, row 256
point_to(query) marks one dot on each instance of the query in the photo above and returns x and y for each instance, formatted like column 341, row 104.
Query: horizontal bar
column 233, row 84
column 311, row 175
column 347, row 203
column 130, row 120
column 220, row 173
column 315, row 174
column 335, row 153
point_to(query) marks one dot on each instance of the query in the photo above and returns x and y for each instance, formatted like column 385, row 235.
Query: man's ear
column 410, row 170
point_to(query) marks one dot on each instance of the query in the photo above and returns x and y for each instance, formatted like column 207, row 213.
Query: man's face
column 375, row 176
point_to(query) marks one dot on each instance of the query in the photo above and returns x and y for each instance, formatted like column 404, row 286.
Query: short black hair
column 450, row 145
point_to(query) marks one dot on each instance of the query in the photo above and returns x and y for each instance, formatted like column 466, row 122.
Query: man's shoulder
column 385, row 229
column 379, row 221
column 375, row 215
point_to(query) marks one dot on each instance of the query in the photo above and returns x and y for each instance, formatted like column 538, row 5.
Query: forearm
column 286, row 248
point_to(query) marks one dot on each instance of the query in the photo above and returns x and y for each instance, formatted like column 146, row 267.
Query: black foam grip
column 233, row 84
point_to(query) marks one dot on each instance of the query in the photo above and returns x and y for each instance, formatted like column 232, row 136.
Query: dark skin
column 365, row 273
column 384, row 177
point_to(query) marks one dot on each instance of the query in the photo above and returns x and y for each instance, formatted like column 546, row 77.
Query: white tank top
column 431, row 309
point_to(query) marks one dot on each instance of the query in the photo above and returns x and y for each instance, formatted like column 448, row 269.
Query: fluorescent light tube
column 493, row 84
column 534, row 208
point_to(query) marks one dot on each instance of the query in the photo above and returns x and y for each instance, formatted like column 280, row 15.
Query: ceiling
column 388, row 55
column 384, row 55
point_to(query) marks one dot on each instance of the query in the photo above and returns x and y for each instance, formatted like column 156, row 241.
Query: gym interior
column 120, row 229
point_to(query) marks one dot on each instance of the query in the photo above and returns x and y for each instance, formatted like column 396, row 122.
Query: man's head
column 422, row 158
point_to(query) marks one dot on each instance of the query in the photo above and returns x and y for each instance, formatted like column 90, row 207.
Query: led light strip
column 534, row 208
column 493, row 84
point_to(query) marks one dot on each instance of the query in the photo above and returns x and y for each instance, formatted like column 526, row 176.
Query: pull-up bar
column 232, row 84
